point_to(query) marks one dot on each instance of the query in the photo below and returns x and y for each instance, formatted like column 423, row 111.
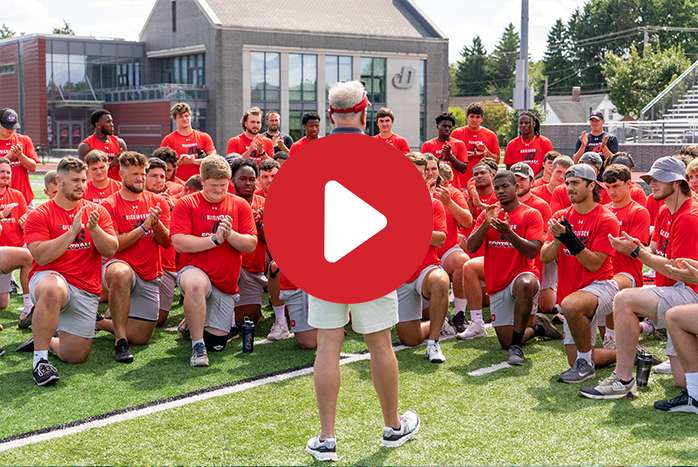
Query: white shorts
column 409, row 297
column 605, row 292
column 366, row 317
column 502, row 303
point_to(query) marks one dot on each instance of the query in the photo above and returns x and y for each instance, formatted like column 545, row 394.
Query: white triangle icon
column 349, row 221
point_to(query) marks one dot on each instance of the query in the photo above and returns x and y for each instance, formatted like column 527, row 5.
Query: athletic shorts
column 144, row 297
column 251, row 286
column 409, row 297
column 502, row 303
column 605, row 292
column 4, row 279
column 220, row 306
column 629, row 276
column 669, row 297
column 366, row 317
column 453, row 249
column 78, row 316
column 549, row 276
column 167, row 286
column 297, row 304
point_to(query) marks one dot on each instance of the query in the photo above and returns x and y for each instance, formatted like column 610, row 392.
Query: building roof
column 574, row 112
column 373, row 18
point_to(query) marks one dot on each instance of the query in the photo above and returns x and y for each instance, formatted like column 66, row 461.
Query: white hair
column 346, row 95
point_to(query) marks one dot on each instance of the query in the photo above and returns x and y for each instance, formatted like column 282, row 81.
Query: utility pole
column 523, row 95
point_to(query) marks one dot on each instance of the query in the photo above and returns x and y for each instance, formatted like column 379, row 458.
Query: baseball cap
column 666, row 170
column 582, row 171
column 591, row 158
column 522, row 169
column 622, row 159
column 9, row 119
column 596, row 114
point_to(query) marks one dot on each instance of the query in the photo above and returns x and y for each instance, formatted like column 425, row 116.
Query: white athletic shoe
column 447, row 331
column 279, row 331
column 325, row 450
column 663, row 368
column 651, row 274
column 409, row 426
column 434, row 353
column 609, row 342
column 474, row 331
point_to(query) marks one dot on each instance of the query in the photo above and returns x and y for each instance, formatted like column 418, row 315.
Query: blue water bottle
column 247, row 335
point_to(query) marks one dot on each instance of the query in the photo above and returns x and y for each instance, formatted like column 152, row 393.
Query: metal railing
column 151, row 92
column 659, row 106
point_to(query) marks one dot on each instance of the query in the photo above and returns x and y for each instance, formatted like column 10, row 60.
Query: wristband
column 570, row 240
column 215, row 240
column 635, row 252
column 144, row 229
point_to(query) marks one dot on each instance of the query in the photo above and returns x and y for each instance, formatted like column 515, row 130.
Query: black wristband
column 635, row 252
column 215, row 240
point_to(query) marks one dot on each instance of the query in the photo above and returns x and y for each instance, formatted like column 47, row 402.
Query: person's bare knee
column 409, row 333
column 4, row 299
column 306, row 340
column 72, row 348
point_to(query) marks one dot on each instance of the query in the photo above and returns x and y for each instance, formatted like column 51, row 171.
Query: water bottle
column 247, row 335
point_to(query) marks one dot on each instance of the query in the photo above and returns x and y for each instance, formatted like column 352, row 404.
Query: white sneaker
column 474, row 330
column 651, row 274
column 447, row 331
column 663, row 368
column 434, row 353
column 278, row 331
column 409, row 426
column 325, row 450
column 609, row 342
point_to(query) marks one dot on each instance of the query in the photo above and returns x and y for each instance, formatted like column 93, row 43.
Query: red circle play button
column 348, row 218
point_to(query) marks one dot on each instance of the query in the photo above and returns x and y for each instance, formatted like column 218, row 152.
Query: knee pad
column 214, row 343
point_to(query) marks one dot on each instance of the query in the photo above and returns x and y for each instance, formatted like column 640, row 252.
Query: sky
column 460, row 20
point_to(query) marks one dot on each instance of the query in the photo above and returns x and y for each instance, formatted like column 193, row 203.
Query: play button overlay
column 349, row 221
column 348, row 218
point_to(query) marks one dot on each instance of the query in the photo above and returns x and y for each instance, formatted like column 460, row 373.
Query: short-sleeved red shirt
column 81, row 264
column 188, row 146
column 458, row 150
column 543, row 193
column 676, row 236
column 637, row 193
column 560, row 199
column 397, row 142
column 297, row 145
column 174, row 187
column 653, row 207
column 538, row 182
column 12, row 234
column 593, row 229
column 531, row 153
column 254, row 262
column 544, row 209
column 111, row 148
column 242, row 143
column 193, row 215
column 20, row 175
column 144, row 255
column 502, row 261
column 470, row 138
column 635, row 220
column 451, row 222
column 96, row 195
column 432, row 256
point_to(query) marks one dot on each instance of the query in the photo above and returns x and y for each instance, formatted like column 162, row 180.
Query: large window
column 265, row 76
column 302, row 77
column 337, row 68
column 185, row 69
column 373, row 74
column 422, row 100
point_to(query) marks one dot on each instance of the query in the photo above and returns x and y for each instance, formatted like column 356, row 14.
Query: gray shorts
column 366, row 317
column 167, row 286
column 669, row 297
column 453, row 249
column 629, row 276
column 549, row 276
column 409, row 297
column 605, row 292
column 5, row 282
column 251, row 286
column 144, row 297
column 220, row 306
column 297, row 303
column 78, row 316
column 502, row 303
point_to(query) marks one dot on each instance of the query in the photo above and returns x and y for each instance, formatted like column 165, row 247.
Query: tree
column 459, row 113
column 501, row 65
column 557, row 65
column 471, row 78
column 452, row 86
column 6, row 32
column 511, row 130
column 635, row 80
column 66, row 29
column 496, row 119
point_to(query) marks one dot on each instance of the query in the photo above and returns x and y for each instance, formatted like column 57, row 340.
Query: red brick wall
column 141, row 124
column 9, row 84
column 35, row 108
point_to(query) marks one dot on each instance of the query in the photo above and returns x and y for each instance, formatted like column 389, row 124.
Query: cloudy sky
column 460, row 20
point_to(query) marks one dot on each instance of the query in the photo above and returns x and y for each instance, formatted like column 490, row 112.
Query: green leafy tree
column 496, row 119
column 556, row 63
column 452, row 86
column 459, row 113
column 634, row 80
column 471, row 77
column 6, row 32
column 66, row 29
column 511, row 130
column 501, row 65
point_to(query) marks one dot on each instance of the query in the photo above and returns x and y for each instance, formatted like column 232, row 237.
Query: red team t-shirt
column 12, row 234
column 451, row 222
column 193, row 215
column 676, row 236
column 532, row 153
column 560, row 199
column 593, row 229
column 470, row 138
column 297, row 145
column 635, row 220
column 20, row 175
column 543, row 193
column 254, row 262
column 397, row 142
column 502, row 261
column 81, row 264
column 432, row 256
column 188, row 146
column 544, row 209
column 242, row 143
column 96, row 195
column 458, row 150
column 144, row 255
column 538, row 182
column 111, row 148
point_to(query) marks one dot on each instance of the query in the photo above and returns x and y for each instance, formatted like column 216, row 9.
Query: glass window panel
column 422, row 80
column 257, row 74
column 273, row 72
column 138, row 73
column 295, row 125
column 295, row 76
column 309, row 77
column 367, row 73
column 200, row 60
column 331, row 70
column 345, row 69
column 176, row 70
column 93, row 71
column 109, row 73
column 60, row 71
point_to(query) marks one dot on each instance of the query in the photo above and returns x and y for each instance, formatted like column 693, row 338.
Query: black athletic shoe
column 459, row 322
column 45, row 374
column 14, row 290
column 26, row 346
column 123, row 354
column 642, row 351
column 681, row 403
column 26, row 321
column 234, row 332
column 543, row 327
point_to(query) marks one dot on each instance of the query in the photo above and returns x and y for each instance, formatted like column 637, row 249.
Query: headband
column 354, row 110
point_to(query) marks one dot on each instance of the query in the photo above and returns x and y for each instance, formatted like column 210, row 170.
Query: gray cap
column 582, row 171
column 591, row 158
column 666, row 170
column 9, row 119
column 522, row 169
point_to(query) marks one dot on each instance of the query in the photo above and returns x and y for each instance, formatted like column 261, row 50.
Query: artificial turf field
column 514, row 416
